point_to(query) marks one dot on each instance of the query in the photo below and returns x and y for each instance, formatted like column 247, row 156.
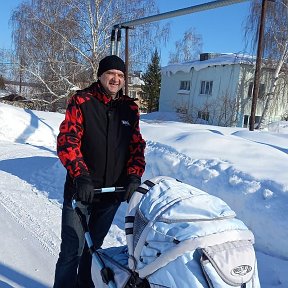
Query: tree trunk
column 271, row 94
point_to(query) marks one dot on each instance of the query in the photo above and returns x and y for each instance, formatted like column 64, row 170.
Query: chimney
column 205, row 56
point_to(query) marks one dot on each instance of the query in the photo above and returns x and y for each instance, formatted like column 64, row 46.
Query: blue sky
column 221, row 28
column 6, row 8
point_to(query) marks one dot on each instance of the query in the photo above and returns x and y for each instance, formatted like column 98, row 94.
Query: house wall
column 246, row 76
column 171, row 97
column 280, row 105
column 277, row 107
column 230, row 81
column 225, row 79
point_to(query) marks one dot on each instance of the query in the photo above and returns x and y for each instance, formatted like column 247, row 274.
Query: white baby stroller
column 178, row 237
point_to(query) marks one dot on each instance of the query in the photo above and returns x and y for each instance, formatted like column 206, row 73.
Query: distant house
column 4, row 92
column 15, row 100
column 135, row 87
column 217, row 89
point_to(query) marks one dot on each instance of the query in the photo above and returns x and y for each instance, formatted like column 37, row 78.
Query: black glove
column 132, row 184
column 84, row 189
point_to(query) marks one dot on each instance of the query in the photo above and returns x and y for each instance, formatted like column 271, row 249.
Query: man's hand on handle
column 84, row 189
column 133, row 183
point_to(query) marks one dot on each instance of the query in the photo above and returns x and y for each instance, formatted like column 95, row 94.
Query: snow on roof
column 220, row 59
column 135, row 80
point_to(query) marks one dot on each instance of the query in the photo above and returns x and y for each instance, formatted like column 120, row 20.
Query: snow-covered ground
column 246, row 169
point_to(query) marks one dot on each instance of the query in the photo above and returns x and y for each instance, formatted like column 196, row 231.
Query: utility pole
column 257, row 74
column 127, row 59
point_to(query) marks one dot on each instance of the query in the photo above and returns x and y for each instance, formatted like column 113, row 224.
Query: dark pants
column 73, row 268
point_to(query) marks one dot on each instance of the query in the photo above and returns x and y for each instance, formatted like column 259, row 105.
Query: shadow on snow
column 18, row 278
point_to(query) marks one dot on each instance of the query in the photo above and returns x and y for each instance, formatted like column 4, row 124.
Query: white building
column 135, row 88
column 217, row 89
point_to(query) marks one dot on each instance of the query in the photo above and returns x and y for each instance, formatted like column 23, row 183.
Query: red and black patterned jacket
column 100, row 137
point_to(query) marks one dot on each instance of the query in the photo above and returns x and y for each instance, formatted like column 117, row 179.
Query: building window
column 261, row 90
column 246, row 121
column 206, row 87
column 203, row 115
column 185, row 85
column 132, row 94
column 250, row 89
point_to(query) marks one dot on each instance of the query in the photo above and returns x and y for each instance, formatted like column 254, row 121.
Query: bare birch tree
column 275, row 45
column 59, row 43
column 187, row 48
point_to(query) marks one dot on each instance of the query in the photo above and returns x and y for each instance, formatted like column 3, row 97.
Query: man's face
column 112, row 81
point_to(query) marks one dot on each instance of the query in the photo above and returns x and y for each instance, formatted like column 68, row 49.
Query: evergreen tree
column 151, row 88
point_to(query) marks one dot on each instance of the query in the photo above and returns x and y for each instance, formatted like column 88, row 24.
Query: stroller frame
column 106, row 273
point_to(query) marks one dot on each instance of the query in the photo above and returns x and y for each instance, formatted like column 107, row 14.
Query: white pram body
column 180, row 237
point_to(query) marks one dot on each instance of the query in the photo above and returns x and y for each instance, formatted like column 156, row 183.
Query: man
column 100, row 145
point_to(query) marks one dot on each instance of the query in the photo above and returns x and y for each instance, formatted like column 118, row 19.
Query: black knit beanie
column 109, row 63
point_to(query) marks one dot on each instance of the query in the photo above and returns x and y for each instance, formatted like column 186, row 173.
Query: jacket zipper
column 109, row 112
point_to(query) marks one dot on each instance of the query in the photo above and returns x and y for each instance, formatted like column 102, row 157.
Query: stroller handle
column 109, row 189
column 102, row 190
